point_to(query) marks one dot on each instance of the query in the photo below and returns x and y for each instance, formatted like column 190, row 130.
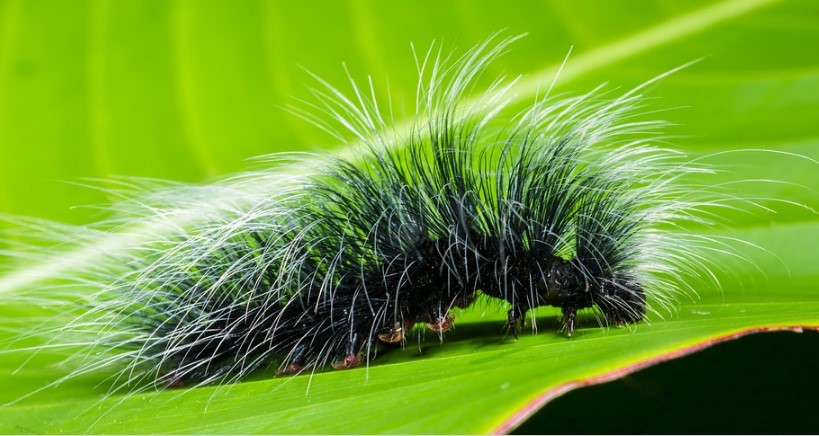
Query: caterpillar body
column 563, row 205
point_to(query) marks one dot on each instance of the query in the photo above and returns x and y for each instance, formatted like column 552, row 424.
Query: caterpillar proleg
column 567, row 203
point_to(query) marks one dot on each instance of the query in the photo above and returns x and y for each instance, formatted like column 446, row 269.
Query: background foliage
column 190, row 90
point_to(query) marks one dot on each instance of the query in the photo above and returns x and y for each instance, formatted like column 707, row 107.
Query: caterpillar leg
column 291, row 369
column 173, row 379
column 517, row 319
column 442, row 324
column 348, row 362
column 397, row 333
column 354, row 355
column 392, row 336
column 569, row 319
column 295, row 365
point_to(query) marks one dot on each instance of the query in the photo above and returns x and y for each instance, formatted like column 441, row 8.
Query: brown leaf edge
column 541, row 400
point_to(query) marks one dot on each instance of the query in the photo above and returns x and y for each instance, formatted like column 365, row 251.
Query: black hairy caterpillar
column 563, row 206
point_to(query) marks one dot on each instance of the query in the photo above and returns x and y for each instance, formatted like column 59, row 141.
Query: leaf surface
column 186, row 92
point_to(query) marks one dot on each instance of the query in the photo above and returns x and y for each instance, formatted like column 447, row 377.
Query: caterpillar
column 567, row 203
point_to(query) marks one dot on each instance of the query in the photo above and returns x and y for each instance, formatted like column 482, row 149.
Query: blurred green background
column 189, row 90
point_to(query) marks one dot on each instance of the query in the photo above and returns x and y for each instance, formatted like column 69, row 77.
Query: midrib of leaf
column 664, row 33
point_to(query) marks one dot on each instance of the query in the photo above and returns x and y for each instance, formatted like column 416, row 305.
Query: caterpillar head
column 621, row 298
column 570, row 286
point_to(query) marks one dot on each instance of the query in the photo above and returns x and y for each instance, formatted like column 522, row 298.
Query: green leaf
column 187, row 90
